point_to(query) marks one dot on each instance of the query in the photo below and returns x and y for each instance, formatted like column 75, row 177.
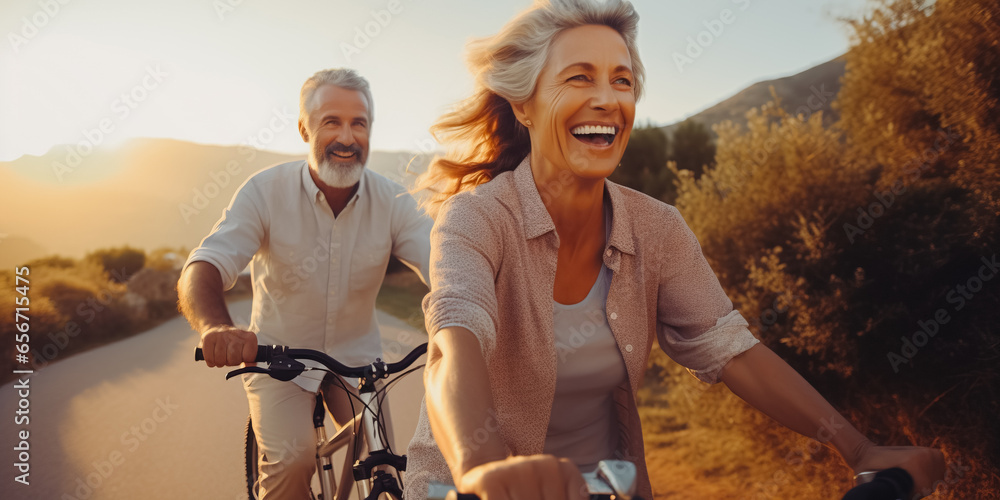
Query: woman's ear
column 521, row 110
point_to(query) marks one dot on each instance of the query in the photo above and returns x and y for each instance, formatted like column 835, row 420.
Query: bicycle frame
column 345, row 437
column 372, row 473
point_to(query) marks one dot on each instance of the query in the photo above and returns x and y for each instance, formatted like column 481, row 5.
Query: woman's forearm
column 460, row 403
column 768, row 383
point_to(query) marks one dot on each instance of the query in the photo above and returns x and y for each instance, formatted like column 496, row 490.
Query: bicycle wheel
column 250, row 461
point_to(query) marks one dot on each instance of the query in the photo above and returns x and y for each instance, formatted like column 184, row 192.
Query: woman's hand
column 525, row 478
column 926, row 465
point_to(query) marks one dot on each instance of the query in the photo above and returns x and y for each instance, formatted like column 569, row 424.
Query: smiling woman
column 549, row 283
column 488, row 135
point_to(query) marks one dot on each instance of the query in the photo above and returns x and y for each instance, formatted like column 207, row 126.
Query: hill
column 148, row 193
column 806, row 92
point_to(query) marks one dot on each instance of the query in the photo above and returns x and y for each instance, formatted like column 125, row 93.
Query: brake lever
column 248, row 369
column 281, row 368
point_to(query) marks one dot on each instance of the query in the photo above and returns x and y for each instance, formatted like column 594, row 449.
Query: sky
column 229, row 71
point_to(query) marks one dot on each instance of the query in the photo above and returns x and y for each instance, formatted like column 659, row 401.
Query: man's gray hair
column 340, row 77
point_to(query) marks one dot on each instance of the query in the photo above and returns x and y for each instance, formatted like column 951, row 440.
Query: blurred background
column 838, row 161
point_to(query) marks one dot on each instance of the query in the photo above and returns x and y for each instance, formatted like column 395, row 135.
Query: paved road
column 139, row 419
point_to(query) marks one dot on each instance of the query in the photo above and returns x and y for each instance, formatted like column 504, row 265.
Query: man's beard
column 339, row 175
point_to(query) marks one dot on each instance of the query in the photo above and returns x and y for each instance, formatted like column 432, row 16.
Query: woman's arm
column 466, row 251
column 768, row 383
column 460, row 405
column 459, row 400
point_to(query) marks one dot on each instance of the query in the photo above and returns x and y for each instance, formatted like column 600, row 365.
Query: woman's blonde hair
column 482, row 135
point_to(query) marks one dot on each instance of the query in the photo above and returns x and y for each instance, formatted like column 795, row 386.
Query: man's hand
column 925, row 465
column 228, row 346
column 524, row 478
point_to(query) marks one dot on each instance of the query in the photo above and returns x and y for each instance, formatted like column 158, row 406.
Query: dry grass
column 703, row 443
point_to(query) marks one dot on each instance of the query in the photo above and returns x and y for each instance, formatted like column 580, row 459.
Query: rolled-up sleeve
column 236, row 237
column 696, row 323
column 411, row 235
column 464, row 257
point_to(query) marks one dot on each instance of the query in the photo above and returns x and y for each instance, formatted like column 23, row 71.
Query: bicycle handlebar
column 266, row 353
column 888, row 484
column 613, row 479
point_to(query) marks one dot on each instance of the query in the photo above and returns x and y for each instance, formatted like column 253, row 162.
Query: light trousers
column 281, row 413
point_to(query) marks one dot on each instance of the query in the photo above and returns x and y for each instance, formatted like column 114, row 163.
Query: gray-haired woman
column 549, row 283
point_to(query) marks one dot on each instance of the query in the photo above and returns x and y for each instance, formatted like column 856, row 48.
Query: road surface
column 140, row 419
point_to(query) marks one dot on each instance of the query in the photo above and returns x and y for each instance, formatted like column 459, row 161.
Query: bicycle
column 372, row 474
column 614, row 479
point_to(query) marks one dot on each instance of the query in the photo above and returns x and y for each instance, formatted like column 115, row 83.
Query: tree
column 854, row 250
column 921, row 96
column 692, row 147
column 644, row 164
column 119, row 263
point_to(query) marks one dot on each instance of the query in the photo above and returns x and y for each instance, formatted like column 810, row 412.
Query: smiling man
column 318, row 235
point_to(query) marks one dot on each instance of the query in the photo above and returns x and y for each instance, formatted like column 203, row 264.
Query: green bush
column 841, row 245
column 119, row 263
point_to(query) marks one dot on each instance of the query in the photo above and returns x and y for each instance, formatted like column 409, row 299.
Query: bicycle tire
column 250, row 460
column 251, row 463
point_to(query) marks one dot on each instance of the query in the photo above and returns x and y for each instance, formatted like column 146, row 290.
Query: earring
column 527, row 123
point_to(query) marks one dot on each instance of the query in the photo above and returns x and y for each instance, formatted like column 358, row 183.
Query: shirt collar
column 537, row 220
column 313, row 192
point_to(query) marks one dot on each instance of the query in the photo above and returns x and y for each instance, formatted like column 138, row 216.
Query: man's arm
column 201, row 300
column 411, row 236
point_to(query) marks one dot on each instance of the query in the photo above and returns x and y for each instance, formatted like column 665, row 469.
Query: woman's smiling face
column 584, row 102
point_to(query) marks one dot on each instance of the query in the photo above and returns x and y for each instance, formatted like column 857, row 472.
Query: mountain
column 803, row 93
column 148, row 193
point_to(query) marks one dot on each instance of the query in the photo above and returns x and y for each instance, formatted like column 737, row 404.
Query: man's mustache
column 337, row 147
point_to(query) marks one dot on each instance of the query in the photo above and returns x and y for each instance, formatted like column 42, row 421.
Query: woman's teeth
column 598, row 135
column 593, row 129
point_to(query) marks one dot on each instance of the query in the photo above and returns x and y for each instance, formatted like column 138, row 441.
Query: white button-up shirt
column 315, row 276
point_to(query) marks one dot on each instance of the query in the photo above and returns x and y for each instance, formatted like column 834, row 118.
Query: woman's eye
column 579, row 78
column 624, row 81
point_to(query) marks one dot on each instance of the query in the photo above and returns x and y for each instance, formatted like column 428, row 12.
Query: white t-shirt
column 583, row 426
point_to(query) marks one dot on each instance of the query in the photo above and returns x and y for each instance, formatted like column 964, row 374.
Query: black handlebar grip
column 888, row 484
column 263, row 352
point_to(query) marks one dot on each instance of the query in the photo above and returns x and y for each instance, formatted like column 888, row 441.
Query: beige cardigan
column 493, row 265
